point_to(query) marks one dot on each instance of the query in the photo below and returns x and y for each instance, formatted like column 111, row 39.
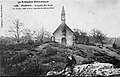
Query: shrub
column 72, row 48
column 10, row 58
column 54, row 44
column 88, row 61
column 81, row 53
column 91, row 44
column 30, row 42
column 50, row 51
column 17, row 47
column 99, row 54
column 62, row 54
column 58, row 66
column 46, row 60
column 12, row 70
column 18, row 58
column 58, row 58
column 30, row 67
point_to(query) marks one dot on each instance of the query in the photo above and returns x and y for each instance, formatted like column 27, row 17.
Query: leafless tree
column 16, row 31
column 40, row 35
column 28, row 34
column 98, row 36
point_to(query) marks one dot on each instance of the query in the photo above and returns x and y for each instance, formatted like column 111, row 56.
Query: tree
column 28, row 34
column 40, row 35
column 81, row 36
column 98, row 36
column 76, row 34
column 16, row 30
column 84, row 37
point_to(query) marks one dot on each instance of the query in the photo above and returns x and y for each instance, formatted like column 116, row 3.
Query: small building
column 63, row 34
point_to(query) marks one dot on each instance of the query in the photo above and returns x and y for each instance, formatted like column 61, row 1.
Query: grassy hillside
column 35, row 60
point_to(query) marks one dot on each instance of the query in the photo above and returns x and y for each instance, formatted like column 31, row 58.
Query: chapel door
column 64, row 41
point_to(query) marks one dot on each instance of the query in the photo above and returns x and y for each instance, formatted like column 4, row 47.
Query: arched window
column 64, row 32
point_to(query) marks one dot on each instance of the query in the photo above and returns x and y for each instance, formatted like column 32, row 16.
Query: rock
column 95, row 69
column 79, row 59
column 52, row 73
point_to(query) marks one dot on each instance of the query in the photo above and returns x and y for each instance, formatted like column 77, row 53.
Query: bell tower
column 63, row 28
column 63, row 15
column 63, row 34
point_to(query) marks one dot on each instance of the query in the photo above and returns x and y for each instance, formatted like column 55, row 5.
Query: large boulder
column 95, row 69
column 79, row 59
column 91, row 69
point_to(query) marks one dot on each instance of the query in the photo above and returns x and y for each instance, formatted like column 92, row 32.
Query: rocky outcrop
column 95, row 69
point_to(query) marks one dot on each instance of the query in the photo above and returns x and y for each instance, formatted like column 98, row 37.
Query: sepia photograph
column 60, row 38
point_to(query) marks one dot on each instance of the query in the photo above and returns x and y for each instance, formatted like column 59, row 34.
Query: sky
column 81, row 14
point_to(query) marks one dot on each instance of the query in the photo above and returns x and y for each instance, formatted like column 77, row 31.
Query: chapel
column 63, row 34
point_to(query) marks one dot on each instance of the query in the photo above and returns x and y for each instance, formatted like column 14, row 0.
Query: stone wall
column 69, row 37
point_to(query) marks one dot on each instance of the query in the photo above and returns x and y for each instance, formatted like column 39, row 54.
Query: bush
column 12, row 70
column 58, row 66
column 18, row 58
column 91, row 44
column 99, row 54
column 30, row 42
column 10, row 58
column 50, row 51
column 18, row 47
column 54, row 44
column 81, row 53
column 72, row 48
column 30, row 67
column 20, row 63
column 58, row 58
column 46, row 60
column 62, row 54
column 88, row 61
